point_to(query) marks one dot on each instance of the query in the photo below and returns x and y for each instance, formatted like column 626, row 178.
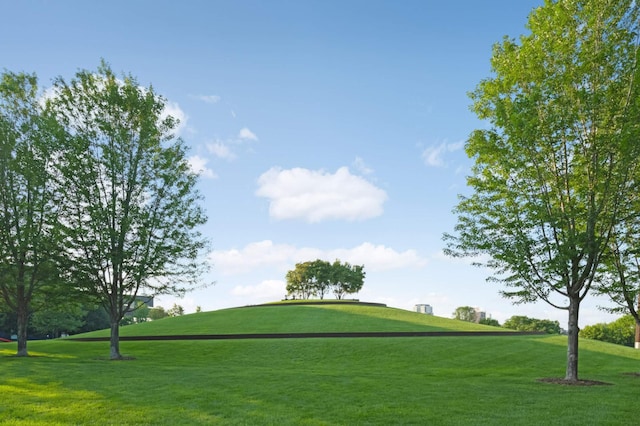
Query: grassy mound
column 378, row 381
column 287, row 318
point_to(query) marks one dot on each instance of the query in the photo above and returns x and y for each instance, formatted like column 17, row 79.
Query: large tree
column 620, row 277
column 29, row 200
column 308, row 279
column 466, row 313
column 132, row 212
column 552, row 169
column 346, row 278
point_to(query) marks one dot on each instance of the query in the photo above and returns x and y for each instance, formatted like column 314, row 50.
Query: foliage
column 620, row 331
column 95, row 318
column 29, row 200
column 554, row 169
column 157, row 313
column 316, row 278
column 489, row 321
column 132, row 211
column 52, row 322
column 175, row 311
column 466, row 313
column 523, row 323
column 141, row 312
column 346, row 278
column 620, row 272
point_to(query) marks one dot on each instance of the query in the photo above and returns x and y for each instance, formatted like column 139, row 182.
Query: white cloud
column 198, row 165
column 252, row 256
column 315, row 196
column 221, row 150
column 378, row 257
column 226, row 149
column 266, row 290
column 434, row 155
column 210, row 99
column 283, row 257
column 173, row 109
column 246, row 134
column 361, row 166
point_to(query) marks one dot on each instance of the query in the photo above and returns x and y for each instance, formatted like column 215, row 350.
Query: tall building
column 423, row 309
column 480, row 315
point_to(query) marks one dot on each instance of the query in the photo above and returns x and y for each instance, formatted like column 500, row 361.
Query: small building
column 423, row 309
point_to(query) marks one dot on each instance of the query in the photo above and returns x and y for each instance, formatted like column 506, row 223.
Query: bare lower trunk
column 572, row 347
column 637, row 345
column 23, row 321
column 114, row 341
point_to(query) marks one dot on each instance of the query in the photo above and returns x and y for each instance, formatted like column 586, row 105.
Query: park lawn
column 436, row 380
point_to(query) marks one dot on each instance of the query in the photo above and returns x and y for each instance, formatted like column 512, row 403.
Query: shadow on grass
column 122, row 358
column 565, row 382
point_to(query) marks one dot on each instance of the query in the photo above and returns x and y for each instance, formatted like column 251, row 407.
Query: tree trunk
column 114, row 342
column 572, row 347
column 23, row 321
column 637, row 345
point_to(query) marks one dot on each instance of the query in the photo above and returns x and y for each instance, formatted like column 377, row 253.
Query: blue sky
column 321, row 129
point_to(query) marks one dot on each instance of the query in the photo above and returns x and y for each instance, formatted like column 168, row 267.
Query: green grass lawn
column 441, row 380
column 297, row 319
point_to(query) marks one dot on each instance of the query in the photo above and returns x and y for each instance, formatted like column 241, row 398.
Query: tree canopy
column 29, row 201
column 556, row 166
column 131, row 216
column 466, row 313
column 620, row 331
column 523, row 323
column 318, row 277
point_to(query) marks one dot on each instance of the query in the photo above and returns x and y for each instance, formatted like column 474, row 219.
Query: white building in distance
column 423, row 309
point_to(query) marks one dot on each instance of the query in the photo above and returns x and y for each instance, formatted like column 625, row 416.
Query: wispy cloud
column 361, row 166
column 246, row 134
column 210, row 99
column 434, row 156
column 261, row 254
column 221, row 150
column 315, row 195
column 227, row 149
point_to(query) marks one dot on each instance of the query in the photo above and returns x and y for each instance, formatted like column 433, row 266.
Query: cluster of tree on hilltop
column 318, row 278
column 97, row 199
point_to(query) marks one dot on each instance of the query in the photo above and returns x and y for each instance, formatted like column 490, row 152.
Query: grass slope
column 447, row 380
column 297, row 319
